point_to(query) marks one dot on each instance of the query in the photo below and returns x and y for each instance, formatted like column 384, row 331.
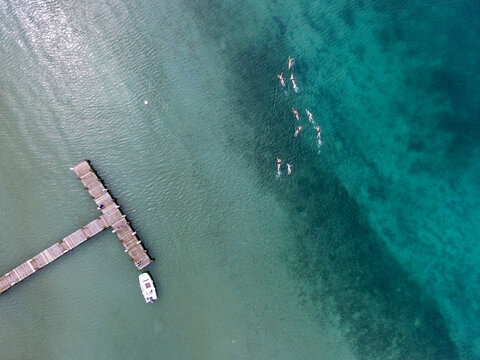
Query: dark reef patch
column 347, row 14
column 456, row 123
column 281, row 25
column 320, row 24
column 415, row 144
column 340, row 261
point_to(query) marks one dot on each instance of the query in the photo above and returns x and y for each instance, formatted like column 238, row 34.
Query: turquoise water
column 367, row 251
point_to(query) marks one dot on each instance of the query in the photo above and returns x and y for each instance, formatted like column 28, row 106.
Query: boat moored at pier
column 148, row 289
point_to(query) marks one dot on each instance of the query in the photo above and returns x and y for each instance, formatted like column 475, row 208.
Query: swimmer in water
column 291, row 61
column 295, row 112
column 281, row 79
column 319, row 136
column 297, row 131
column 310, row 116
column 279, row 163
column 293, row 83
column 289, row 167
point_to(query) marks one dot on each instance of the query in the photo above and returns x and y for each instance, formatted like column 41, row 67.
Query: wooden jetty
column 111, row 217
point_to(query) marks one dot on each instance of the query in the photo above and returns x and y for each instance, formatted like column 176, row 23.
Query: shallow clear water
column 367, row 251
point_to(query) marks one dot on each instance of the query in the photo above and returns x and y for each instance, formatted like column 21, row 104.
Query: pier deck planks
column 111, row 217
column 52, row 253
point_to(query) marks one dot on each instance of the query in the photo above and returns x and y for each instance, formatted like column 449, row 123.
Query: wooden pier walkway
column 111, row 217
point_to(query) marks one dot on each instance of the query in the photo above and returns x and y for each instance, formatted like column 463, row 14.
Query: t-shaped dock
column 111, row 217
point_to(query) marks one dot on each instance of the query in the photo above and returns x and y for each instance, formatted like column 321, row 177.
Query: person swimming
column 319, row 136
column 279, row 163
column 295, row 112
column 289, row 167
column 291, row 61
column 293, row 83
column 297, row 131
column 310, row 116
column 281, row 79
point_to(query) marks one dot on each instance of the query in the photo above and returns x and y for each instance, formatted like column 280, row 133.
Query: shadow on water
column 340, row 261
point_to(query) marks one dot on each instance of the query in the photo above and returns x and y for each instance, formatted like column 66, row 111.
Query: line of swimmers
column 310, row 118
column 295, row 87
column 291, row 61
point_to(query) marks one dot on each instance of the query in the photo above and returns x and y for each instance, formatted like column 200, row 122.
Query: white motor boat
column 148, row 289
